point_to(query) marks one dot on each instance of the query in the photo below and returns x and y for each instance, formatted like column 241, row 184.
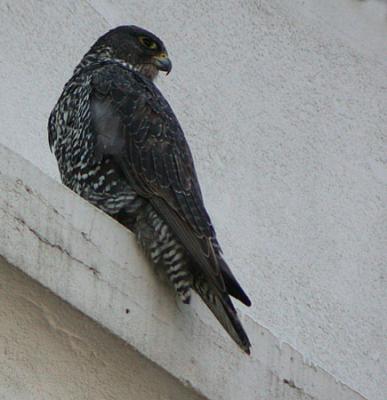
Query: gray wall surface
column 284, row 105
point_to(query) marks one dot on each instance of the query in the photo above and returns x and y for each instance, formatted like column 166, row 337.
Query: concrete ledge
column 50, row 351
column 92, row 262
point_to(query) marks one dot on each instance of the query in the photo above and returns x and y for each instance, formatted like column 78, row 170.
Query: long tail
column 223, row 309
column 158, row 240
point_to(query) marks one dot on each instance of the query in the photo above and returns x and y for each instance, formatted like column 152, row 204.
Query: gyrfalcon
column 119, row 145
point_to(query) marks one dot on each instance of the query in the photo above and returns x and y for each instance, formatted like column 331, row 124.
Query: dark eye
column 148, row 43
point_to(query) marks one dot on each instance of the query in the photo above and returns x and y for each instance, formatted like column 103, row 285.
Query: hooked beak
column 163, row 63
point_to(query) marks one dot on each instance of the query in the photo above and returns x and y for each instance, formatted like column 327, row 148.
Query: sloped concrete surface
column 92, row 262
column 50, row 351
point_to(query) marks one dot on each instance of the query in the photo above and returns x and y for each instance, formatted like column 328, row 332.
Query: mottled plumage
column 119, row 145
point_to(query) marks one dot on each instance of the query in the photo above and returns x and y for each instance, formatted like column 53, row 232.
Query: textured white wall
column 284, row 104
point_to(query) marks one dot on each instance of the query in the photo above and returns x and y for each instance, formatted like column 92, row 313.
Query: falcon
column 119, row 145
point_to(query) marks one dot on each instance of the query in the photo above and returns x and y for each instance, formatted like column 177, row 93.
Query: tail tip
column 247, row 302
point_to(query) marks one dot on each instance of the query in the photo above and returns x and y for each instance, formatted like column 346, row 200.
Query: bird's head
column 135, row 46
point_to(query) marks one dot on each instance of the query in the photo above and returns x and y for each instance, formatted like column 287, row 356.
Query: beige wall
column 48, row 350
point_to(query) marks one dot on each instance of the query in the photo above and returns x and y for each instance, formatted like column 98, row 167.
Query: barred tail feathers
column 224, row 311
column 158, row 241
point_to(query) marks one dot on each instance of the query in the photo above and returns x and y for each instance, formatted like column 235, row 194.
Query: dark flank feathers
column 119, row 145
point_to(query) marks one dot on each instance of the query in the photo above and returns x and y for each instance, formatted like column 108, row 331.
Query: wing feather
column 148, row 143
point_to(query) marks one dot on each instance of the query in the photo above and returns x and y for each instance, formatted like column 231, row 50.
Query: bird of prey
column 119, row 145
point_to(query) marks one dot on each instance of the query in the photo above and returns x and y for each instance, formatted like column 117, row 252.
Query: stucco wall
column 284, row 104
